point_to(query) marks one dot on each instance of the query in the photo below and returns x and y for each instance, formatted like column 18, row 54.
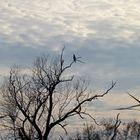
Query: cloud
column 80, row 18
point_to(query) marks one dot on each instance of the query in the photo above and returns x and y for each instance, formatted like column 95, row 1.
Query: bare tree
column 35, row 102
column 131, row 130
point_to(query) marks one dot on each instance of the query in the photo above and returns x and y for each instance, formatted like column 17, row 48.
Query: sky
column 104, row 33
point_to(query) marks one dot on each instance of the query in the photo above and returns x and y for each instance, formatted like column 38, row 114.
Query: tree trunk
column 46, row 135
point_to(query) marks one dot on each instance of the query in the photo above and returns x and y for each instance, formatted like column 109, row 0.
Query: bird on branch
column 74, row 58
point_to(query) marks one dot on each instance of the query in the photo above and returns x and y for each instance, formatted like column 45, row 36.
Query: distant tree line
column 106, row 131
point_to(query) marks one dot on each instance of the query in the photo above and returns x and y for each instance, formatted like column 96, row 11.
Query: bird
column 74, row 58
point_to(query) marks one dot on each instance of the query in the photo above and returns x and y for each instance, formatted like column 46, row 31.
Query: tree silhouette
column 36, row 101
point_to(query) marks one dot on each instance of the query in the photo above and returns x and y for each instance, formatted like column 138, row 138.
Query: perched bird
column 74, row 58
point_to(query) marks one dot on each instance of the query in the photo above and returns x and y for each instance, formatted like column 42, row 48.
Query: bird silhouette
column 74, row 58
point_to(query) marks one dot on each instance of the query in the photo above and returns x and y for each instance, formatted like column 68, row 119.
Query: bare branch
column 73, row 110
column 134, row 98
column 130, row 107
column 116, row 125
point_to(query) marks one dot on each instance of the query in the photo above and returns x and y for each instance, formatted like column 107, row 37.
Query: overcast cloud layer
column 105, row 33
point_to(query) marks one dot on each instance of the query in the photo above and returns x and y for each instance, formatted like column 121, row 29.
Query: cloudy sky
column 105, row 33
